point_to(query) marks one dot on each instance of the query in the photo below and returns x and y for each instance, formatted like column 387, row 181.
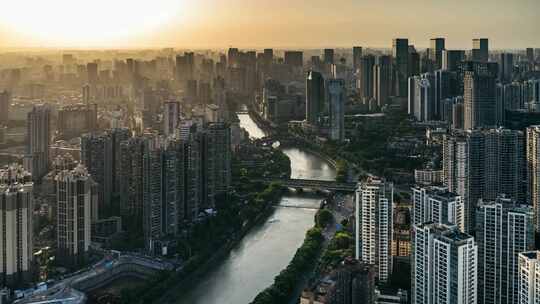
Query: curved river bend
column 268, row 248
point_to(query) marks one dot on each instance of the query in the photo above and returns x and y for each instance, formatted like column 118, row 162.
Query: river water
column 268, row 248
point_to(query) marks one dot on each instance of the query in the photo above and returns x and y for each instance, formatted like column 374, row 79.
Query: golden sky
column 264, row 23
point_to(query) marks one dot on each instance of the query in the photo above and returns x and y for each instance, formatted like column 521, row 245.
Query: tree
column 342, row 240
column 323, row 218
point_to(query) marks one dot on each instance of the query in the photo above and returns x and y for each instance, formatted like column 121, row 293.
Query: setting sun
column 79, row 22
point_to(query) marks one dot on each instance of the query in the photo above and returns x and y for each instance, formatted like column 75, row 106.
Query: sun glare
column 83, row 22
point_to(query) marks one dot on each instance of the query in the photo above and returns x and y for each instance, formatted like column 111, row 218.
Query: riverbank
column 218, row 236
column 319, row 154
column 268, row 128
column 285, row 283
column 266, row 249
column 194, row 278
column 290, row 281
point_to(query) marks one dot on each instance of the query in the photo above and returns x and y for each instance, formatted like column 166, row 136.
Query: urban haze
column 270, row 152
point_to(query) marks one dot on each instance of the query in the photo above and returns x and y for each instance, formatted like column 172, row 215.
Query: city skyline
column 255, row 152
column 208, row 24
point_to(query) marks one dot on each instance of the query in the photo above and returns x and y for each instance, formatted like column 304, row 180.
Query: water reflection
column 268, row 248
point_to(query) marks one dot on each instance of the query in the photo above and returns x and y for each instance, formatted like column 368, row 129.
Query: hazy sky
column 260, row 23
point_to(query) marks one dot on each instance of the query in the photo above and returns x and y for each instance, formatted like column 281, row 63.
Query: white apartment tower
column 374, row 225
column 16, row 225
column 504, row 229
column 76, row 201
column 437, row 205
column 444, row 264
column 533, row 171
column 529, row 277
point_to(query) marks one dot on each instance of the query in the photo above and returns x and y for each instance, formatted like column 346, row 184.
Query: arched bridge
column 314, row 184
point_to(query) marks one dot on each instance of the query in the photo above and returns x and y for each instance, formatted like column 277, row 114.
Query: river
column 268, row 248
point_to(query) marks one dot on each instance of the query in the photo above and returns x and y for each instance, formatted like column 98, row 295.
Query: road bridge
column 314, row 184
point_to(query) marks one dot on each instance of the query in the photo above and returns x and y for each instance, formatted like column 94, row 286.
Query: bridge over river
column 313, row 184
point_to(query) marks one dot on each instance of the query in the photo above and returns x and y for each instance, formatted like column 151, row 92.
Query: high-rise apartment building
column 38, row 132
column 268, row 58
column 162, row 179
column 315, row 94
column 451, row 59
column 191, row 178
column 482, row 164
column 131, row 177
column 400, row 51
column 357, row 57
column 426, row 94
column 529, row 52
column 117, row 135
column 528, row 274
column 101, row 154
column 481, row 68
column 294, row 58
column 533, row 99
column 480, row 51
column 414, row 61
column 506, row 66
column 436, row 48
column 355, row 283
column 92, row 72
column 457, row 114
column 425, row 99
column 436, row 204
column 219, row 97
column 336, row 102
column 382, row 84
column 16, row 229
column 97, row 156
column 215, row 162
column 185, row 67
column 171, row 117
column 75, row 119
column 150, row 101
column 411, row 87
column 444, row 265
column 374, row 225
column 173, row 182
column 504, row 228
column 233, row 55
column 161, row 171
column 533, row 171
column 76, row 201
column 422, row 93
column 443, row 90
column 365, row 80
column 205, row 93
column 5, row 100
column 480, row 102
column 328, row 56
column 426, row 64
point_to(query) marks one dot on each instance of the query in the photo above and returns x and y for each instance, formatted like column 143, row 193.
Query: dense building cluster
column 148, row 142
column 474, row 217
